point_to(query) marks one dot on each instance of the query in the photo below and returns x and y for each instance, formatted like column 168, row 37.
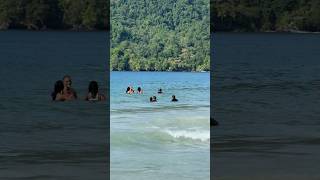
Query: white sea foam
column 202, row 135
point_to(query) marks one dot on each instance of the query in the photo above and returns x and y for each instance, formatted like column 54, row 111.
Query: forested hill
column 54, row 14
column 265, row 15
column 160, row 35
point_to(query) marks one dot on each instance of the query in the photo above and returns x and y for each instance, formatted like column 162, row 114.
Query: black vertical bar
column 211, row 89
column 108, row 87
column 211, row 108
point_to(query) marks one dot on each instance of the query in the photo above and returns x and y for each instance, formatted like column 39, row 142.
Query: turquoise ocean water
column 162, row 140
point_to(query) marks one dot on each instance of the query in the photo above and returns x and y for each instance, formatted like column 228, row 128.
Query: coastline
column 164, row 71
column 290, row 31
column 108, row 30
column 55, row 30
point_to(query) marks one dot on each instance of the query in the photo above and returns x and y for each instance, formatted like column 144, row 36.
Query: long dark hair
column 58, row 87
column 93, row 88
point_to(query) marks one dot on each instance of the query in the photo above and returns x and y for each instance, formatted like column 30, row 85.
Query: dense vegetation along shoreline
column 160, row 35
column 261, row 16
column 54, row 14
column 226, row 15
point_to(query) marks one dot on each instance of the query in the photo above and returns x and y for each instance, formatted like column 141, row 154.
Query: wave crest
column 201, row 135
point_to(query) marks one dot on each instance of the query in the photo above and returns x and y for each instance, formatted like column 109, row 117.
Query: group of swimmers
column 63, row 91
column 130, row 90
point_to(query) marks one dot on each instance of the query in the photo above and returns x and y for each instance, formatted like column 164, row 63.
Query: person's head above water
column 139, row 90
column 160, row 91
column 68, row 92
column 93, row 88
column 93, row 92
column 153, row 99
column 129, row 90
column 174, row 98
column 67, row 82
column 58, row 88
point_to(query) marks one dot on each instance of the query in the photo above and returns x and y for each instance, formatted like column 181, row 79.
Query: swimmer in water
column 57, row 94
column 68, row 92
column 154, row 99
column 129, row 90
column 139, row 90
column 160, row 91
column 174, row 99
column 93, row 92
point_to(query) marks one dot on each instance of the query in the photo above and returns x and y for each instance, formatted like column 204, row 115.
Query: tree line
column 160, row 35
column 265, row 15
column 54, row 14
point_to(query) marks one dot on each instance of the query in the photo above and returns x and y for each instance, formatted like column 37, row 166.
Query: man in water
column 68, row 92
column 174, row 99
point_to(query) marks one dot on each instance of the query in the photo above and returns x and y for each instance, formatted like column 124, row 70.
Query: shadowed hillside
column 270, row 15
column 54, row 14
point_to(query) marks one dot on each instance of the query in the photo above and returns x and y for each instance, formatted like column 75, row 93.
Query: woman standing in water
column 57, row 94
column 93, row 92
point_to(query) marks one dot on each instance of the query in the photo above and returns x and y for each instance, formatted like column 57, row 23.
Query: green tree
column 73, row 13
column 157, row 33
column 89, row 16
column 11, row 12
column 36, row 12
